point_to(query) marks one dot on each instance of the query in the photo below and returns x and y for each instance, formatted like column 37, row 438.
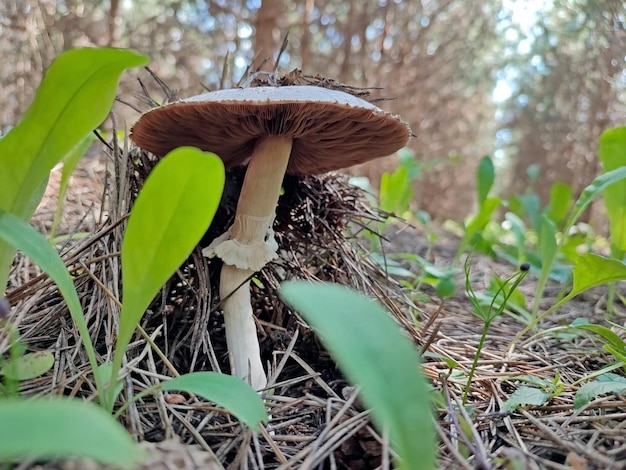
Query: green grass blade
column 18, row 234
column 560, row 201
column 62, row 428
column 230, row 392
column 173, row 210
column 485, row 177
column 69, row 165
column 609, row 335
column 373, row 353
column 478, row 222
column 548, row 250
column 596, row 187
column 612, row 153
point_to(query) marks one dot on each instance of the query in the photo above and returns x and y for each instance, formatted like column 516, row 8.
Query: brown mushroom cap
column 330, row 129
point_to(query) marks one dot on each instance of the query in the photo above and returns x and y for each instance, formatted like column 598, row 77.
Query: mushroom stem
column 255, row 213
column 241, row 337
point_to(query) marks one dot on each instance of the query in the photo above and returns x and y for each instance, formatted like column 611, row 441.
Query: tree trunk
column 265, row 39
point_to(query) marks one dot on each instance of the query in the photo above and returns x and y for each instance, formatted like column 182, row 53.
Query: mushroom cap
column 330, row 129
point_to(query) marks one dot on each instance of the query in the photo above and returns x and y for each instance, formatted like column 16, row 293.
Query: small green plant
column 19, row 365
column 551, row 233
column 605, row 383
column 474, row 227
column 395, row 197
column 539, row 394
column 590, row 270
column 370, row 349
column 487, row 313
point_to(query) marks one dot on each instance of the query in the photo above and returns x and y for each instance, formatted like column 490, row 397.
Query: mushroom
column 274, row 130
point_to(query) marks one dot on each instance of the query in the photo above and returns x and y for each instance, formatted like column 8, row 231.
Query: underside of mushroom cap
column 330, row 129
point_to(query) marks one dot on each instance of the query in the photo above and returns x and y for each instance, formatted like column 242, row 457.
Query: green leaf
column 596, row 187
column 69, row 165
column 172, row 212
column 531, row 379
column 607, row 383
column 28, row 366
column 230, row 392
column 525, row 396
column 74, row 97
column 485, row 176
column 593, row 270
column 560, row 200
column 62, row 428
column 477, row 223
column 532, row 205
column 612, row 153
column 374, row 354
column 22, row 236
column 609, row 335
column 446, row 287
column 548, row 250
column 618, row 353
column 395, row 191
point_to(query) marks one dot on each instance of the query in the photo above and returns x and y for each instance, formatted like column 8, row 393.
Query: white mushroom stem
column 241, row 336
column 247, row 251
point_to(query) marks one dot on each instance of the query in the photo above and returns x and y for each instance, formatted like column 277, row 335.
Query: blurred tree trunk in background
column 114, row 22
column 266, row 33
column 438, row 61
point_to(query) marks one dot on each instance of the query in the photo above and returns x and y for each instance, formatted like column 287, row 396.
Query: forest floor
column 317, row 420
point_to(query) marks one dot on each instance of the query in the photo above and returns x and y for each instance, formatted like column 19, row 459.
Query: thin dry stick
column 268, row 438
column 330, row 425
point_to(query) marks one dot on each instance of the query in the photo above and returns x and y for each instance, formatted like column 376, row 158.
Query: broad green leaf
column 172, row 212
column 612, row 153
column 28, row 366
column 374, row 354
column 18, row 234
column 62, row 428
column 445, row 287
column 532, row 205
column 593, row 270
column 395, row 191
column 485, row 176
column 230, row 392
column 74, row 97
column 69, row 165
column 607, row 383
column 477, row 223
column 525, row 396
column 560, row 200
